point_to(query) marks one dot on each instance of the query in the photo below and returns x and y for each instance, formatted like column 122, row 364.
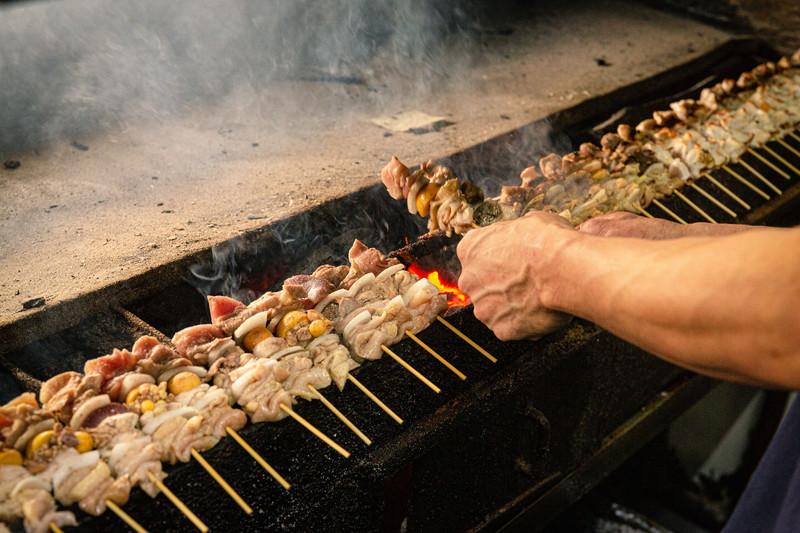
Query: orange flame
column 455, row 298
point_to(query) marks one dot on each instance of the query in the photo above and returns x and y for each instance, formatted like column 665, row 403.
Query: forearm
column 622, row 224
column 722, row 306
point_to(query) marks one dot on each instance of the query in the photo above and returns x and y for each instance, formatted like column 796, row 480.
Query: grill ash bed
column 511, row 446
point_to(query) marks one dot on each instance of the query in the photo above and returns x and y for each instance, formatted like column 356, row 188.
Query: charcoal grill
column 509, row 448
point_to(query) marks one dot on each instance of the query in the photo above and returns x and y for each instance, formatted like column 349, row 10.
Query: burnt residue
column 427, row 245
column 434, row 126
column 33, row 303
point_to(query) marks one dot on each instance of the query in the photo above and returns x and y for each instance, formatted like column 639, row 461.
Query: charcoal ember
column 426, row 245
column 11, row 164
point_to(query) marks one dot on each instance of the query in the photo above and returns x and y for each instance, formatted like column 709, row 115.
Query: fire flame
column 455, row 298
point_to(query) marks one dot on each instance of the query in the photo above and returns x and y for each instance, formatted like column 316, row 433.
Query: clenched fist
column 505, row 270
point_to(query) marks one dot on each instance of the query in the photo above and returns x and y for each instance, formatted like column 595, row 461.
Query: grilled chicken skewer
column 632, row 167
column 21, row 495
column 57, row 461
column 304, row 339
column 145, row 406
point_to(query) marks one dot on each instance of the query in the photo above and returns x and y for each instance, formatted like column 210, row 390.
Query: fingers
column 496, row 274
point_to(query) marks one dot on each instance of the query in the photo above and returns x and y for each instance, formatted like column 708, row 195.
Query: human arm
column 724, row 305
column 624, row 224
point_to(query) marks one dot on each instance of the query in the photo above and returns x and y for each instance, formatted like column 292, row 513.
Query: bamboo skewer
column 222, row 483
column 794, row 136
column 713, row 200
column 769, row 163
column 777, row 156
column 788, row 147
column 642, row 211
column 309, row 426
column 727, row 169
column 760, row 176
column 375, row 399
column 178, row 503
column 55, row 529
column 125, row 517
column 726, row 190
column 469, row 341
column 669, row 211
column 411, row 369
column 694, row 206
column 255, row 455
column 438, row 357
column 339, row 414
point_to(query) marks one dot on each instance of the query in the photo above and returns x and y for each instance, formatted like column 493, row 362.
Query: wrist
column 550, row 258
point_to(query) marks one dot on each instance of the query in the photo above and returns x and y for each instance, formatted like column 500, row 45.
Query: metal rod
column 438, row 357
column 669, row 211
column 469, row 341
column 726, row 190
column 309, row 426
column 255, row 455
column 222, row 483
column 760, row 176
column 339, row 414
column 769, row 163
column 411, row 369
column 713, row 200
column 777, row 156
column 727, row 169
column 694, row 206
column 375, row 399
column 642, row 211
column 788, row 147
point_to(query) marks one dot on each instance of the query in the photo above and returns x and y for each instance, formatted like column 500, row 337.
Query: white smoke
column 68, row 68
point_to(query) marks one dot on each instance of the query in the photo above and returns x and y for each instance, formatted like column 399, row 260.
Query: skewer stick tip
column 309, row 426
column 438, row 357
column 222, row 483
column 255, row 455
column 125, row 517
column 469, row 341
column 339, row 414
column 374, row 398
column 411, row 369
column 178, row 503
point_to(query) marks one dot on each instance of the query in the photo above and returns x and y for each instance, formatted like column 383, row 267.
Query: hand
column 622, row 224
column 502, row 266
